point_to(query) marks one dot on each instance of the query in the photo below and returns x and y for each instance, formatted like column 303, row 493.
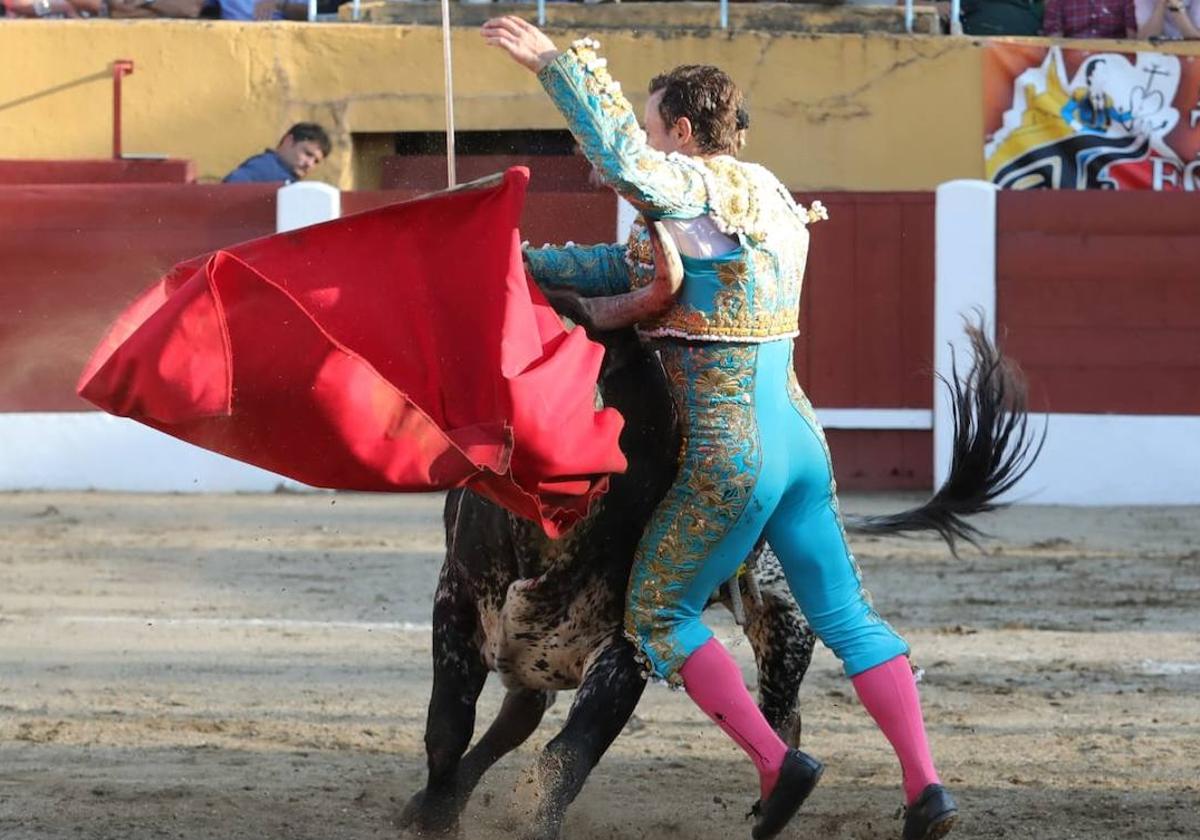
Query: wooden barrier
column 73, row 256
column 118, row 171
column 1099, row 297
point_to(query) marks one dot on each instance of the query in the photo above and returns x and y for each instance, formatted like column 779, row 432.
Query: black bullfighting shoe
column 931, row 816
column 797, row 778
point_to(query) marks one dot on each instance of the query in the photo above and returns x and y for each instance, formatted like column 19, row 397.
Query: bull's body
column 547, row 615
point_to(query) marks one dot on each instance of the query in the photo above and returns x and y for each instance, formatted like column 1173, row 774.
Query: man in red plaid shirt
column 1090, row 19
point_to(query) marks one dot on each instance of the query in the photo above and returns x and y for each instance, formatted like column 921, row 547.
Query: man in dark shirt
column 1090, row 19
column 299, row 151
column 1002, row 17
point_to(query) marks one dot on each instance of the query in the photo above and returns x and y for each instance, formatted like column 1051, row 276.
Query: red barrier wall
column 548, row 173
column 866, row 330
column 72, row 257
column 1099, row 299
column 108, row 171
column 581, row 216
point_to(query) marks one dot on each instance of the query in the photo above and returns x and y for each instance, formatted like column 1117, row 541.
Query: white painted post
column 306, row 203
column 964, row 283
column 626, row 215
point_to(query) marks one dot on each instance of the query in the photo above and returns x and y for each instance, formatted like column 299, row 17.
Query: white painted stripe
column 875, row 418
column 254, row 623
column 1089, row 459
column 1114, row 459
column 91, row 450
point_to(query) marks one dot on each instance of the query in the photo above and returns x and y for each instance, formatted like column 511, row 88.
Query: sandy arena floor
column 258, row 667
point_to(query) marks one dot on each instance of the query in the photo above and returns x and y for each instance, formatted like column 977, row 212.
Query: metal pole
column 724, row 14
column 451, row 180
column 121, row 68
column 541, row 6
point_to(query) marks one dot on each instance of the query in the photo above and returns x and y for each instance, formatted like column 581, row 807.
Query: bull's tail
column 993, row 449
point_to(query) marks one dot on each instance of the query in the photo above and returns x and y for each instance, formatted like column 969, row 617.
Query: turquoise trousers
column 754, row 462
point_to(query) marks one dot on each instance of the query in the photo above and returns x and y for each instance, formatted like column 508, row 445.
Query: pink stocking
column 714, row 682
column 889, row 694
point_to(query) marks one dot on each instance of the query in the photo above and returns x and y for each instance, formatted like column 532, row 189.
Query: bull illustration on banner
column 1104, row 126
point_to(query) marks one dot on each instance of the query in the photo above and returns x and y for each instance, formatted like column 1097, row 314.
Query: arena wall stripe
column 1099, row 297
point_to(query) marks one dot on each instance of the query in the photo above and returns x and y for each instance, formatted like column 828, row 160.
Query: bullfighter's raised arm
column 603, row 122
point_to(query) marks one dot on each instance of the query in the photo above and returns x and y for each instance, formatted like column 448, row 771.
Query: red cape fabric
column 401, row 349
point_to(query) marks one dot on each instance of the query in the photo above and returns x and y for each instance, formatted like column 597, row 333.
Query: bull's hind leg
column 458, row 677
column 609, row 693
column 783, row 646
column 780, row 637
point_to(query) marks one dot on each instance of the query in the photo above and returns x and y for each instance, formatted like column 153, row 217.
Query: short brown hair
column 310, row 131
column 709, row 99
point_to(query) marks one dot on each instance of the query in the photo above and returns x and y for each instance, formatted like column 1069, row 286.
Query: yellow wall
column 829, row 111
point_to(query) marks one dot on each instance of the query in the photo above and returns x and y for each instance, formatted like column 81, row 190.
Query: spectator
column 268, row 9
column 154, row 8
column 55, row 8
column 1002, row 17
column 1171, row 20
column 299, row 152
column 1090, row 19
column 258, row 10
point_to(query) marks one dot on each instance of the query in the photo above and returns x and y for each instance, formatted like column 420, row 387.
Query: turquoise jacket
column 751, row 293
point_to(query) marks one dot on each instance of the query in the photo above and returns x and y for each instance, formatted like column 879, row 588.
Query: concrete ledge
column 777, row 17
column 1113, row 459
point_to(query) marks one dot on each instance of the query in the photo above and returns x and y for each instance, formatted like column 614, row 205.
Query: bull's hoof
column 426, row 816
column 541, row 832
column 544, row 824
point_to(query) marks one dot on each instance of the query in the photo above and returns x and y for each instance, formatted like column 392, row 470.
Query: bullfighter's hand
column 525, row 43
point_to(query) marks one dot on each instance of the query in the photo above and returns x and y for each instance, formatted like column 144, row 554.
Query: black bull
column 547, row 615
